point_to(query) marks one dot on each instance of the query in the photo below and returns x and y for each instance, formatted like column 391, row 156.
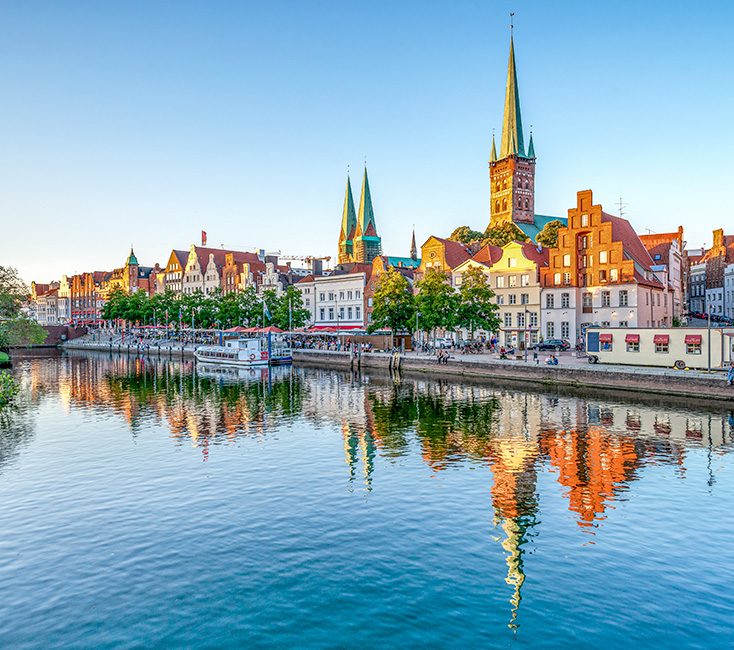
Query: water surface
column 148, row 504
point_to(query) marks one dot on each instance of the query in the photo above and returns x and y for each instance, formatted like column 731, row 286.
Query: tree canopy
column 503, row 234
column 16, row 329
column 548, row 237
column 436, row 302
column 476, row 309
column 393, row 303
column 465, row 235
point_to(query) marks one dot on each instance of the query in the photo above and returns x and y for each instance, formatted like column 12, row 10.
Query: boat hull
column 242, row 363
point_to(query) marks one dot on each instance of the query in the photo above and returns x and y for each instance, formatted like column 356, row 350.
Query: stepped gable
column 622, row 231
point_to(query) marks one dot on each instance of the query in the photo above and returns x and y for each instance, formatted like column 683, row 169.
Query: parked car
column 553, row 344
column 444, row 341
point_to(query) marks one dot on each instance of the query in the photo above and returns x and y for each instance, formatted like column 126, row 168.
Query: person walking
column 730, row 374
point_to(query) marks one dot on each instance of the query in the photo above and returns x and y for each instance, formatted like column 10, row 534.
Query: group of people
column 443, row 356
column 551, row 360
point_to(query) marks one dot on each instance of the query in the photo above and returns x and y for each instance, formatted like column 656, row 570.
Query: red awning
column 605, row 338
column 693, row 338
column 632, row 338
column 661, row 338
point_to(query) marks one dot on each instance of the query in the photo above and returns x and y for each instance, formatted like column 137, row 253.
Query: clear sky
column 147, row 122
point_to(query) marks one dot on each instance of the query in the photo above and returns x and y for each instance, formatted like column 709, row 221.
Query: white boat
column 236, row 352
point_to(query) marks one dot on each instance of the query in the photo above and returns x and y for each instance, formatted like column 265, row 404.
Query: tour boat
column 246, row 352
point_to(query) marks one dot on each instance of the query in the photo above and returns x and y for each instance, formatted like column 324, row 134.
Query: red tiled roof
column 622, row 231
column 531, row 252
column 488, row 255
column 640, row 279
column 308, row 278
column 455, row 252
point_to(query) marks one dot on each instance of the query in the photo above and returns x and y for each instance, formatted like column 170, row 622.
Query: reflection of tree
column 17, row 423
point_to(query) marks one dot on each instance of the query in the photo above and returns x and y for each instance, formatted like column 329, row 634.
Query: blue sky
column 146, row 122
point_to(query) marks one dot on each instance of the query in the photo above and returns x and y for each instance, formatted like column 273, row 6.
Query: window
column 693, row 348
column 341, row 295
column 500, row 300
column 369, row 302
column 322, row 314
column 331, row 295
column 512, row 262
column 549, row 300
column 661, row 347
column 341, row 313
column 606, row 346
column 500, row 281
column 633, row 346
column 587, row 301
column 524, row 280
column 349, row 313
column 658, row 300
column 512, row 281
column 606, row 323
column 613, row 275
column 508, row 320
column 623, row 298
column 357, row 295
column 321, row 296
column 550, row 330
column 349, row 295
column 331, row 313
column 623, row 323
column 524, row 298
column 308, row 302
column 556, row 279
column 565, row 330
column 533, row 319
column 566, row 278
column 606, row 298
column 602, row 276
column 512, row 299
column 584, row 220
column 521, row 319
column 564, row 300
column 602, row 257
column 665, row 300
column 358, row 313
column 567, row 260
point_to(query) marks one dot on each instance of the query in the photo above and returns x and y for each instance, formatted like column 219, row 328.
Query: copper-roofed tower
column 512, row 175
column 349, row 227
column 413, row 248
column 367, row 245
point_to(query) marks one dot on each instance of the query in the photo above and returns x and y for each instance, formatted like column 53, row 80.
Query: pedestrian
column 730, row 374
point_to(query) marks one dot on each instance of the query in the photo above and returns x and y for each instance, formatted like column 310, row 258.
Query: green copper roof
column 493, row 158
column 349, row 217
column 532, row 229
column 366, row 214
column 512, row 142
column 531, row 148
column 131, row 259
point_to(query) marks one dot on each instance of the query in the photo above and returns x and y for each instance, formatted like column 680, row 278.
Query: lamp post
column 708, row 345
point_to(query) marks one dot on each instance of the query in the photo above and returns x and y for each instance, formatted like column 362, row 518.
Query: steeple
column 512, row 141
column 531, row 148
column 131, row 259
column 493, row 158
column 413, row 248
column 349, row 217
column 366, row 214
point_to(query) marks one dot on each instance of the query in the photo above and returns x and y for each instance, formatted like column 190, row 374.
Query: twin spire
column 358, row 239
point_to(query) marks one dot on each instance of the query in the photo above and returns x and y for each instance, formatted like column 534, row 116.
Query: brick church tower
column 512, row 175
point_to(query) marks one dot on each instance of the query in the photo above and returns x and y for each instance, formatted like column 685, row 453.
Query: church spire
column 512, row 141
column 366, row 214
column 413, row 248
column 349, row 217
column 531, row 147
column 493, row 157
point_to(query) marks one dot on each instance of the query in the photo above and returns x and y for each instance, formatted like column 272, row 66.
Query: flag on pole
column 203, row 237
column 266, row 311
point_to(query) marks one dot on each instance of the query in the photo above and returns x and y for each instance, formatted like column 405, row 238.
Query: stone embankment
column 683, row 383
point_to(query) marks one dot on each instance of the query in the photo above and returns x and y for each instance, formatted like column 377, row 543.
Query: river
column 151, row 504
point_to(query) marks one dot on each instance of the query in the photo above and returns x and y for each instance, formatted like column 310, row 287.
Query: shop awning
column 693, row 338
column 632, row 338
column 605, row 338
column 661, row 338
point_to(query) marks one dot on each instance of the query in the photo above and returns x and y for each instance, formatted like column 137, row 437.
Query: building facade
column 336, row 301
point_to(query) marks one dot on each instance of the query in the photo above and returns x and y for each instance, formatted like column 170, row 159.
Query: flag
column 179, row 312
column 266, row 311
column 203, row 237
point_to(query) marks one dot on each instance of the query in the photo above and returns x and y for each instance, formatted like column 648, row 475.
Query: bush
column 9, row 388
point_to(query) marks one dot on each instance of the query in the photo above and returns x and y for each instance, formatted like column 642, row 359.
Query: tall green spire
column 366, row 214
column 531, row 147
column 512, row 142
column 349, row 217
column 493, row 157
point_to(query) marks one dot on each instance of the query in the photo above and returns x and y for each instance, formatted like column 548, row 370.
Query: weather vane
column 512, row 26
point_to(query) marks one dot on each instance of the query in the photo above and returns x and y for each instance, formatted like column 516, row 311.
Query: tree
column 436, row 301
column 250, row 308
column 476, row 309
column 548, row 237
column 393, row 303
column 503, row 234
column 289, row 310
column 16, row 329
column 465, row 235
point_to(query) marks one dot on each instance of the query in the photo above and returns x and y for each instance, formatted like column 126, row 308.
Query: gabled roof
column 455, row 252
column 488, row 255
column 536, row 253
column 622, row 231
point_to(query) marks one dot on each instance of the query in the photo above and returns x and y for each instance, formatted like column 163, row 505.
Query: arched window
column 519, row 202
column 519, row 182
column 497, row 206
column 527, row 185
column 504, row 184
column 497, row 187
column 504, row 205
column 527, row 204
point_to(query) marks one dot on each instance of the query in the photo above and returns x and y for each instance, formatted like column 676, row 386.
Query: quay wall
column 616, row 378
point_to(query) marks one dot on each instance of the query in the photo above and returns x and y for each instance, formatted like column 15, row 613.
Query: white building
column 729, row 291
column 336, row 300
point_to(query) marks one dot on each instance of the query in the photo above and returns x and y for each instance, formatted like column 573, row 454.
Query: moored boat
column 246, row 352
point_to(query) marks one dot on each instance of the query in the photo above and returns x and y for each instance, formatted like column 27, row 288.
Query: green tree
column 289, row 310
column 393, row 303
column 250, row 307
column 548, row 237
column 476, row 309
column 436, row 302
column 503, row 234
column 270, row 298
column 16, row 329
column 465, row 235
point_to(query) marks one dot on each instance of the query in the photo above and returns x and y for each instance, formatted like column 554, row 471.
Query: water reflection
column 594, row 448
